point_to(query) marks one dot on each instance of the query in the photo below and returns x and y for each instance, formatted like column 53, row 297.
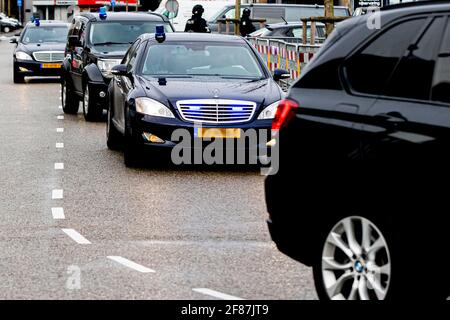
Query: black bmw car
column 40, row 49
column 364, row 138
column 210, row 86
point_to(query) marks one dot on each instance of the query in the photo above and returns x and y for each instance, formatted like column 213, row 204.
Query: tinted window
column 369, row 70
column 132, row 61
column 413, row 75
column 45, row 34
column 202, row 59
column 271, row 14
column 121, row 33
column 441, row 81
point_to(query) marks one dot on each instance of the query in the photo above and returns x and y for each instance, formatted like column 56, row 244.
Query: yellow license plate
column 50, row 65
column 218, row 133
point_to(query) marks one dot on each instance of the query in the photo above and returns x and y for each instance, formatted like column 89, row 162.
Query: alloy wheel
column 356, row 262
column 63, row 92
column 86, row 101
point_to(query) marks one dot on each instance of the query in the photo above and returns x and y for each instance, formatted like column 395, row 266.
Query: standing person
column 196, row 23
column 245, row 25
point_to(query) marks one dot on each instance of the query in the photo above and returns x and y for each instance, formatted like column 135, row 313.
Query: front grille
column 216, row 110
column 49, row 56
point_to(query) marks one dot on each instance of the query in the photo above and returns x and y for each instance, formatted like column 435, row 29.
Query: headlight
column 269, row 112
column 153, row 108
column 23, row 56
column 105, row 65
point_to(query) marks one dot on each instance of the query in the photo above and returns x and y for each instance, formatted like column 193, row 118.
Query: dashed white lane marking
column 130, row 264
column 58, row 213
column 59, row 145
column 60, row 117
column 59, row 166
column 57, row 194
column 59, row 130
column 78, row 238
column 216, row 294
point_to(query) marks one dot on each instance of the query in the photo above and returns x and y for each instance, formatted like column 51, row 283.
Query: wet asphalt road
column 184, row 229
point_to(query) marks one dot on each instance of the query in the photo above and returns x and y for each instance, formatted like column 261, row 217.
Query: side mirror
column 73, row 41
column 13, row 40
column 279, row 74
column 120, row 70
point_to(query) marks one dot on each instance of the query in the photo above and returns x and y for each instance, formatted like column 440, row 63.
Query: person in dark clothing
column 246, row 26
column 196, row 23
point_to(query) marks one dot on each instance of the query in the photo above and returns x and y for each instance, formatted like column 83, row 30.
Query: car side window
column 72, row 27
column 130, row 56
column 271, row 14
column 132, row 62
column 82, row 33
column 369, row 69
column 413, row 75
column 440, row 87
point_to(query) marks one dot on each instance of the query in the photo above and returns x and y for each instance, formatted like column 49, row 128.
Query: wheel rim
column 64, row 93
column 108, row 124
column 356, row 262
column 86, row 100
column 6, row 29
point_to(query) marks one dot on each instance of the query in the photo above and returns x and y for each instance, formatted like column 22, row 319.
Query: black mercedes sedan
column 40, row 49
column 364, row 141
column 200, row 86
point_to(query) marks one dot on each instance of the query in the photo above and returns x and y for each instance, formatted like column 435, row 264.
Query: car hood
column 34, row 47
column 112, row 52
column 262, row 92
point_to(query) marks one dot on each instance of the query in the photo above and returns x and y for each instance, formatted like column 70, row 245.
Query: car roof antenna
column 285, row 22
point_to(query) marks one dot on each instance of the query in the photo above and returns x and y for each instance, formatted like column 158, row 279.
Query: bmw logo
column 359, row 266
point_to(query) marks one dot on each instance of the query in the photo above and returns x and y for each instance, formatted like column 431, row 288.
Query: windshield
column 202, row 59
column 45, row 34
column 121, row 32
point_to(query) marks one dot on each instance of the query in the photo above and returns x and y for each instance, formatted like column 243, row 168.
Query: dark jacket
column 196, row 24
column 246, row 26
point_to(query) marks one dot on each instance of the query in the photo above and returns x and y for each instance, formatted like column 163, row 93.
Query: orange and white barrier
column 283, row 55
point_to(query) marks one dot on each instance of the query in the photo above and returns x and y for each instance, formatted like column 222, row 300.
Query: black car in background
column 290, row 32
column 364, row 138
column 8, row 24
column 40, row 49
column 95, row 44
column 209, row 86
column 273, row 13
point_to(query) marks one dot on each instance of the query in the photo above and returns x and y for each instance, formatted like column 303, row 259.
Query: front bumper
column 175, row 131
column 33, row 68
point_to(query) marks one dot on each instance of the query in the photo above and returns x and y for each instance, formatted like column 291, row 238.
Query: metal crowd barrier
column 279, row 54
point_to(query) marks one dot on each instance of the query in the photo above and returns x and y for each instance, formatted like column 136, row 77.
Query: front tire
column 131, row 154
column 6, row 29
column 69, row 100
column 91, row 111
column 113, row 136
column 17, row 77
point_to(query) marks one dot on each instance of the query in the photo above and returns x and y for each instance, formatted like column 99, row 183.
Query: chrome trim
column 217, row 110
column 50, row 54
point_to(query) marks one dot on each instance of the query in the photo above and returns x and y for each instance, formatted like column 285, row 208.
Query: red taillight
column 283, row 113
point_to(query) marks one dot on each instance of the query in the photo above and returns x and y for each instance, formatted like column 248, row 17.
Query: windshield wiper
column 161, row 76
column 109, row 43
column 243, row 78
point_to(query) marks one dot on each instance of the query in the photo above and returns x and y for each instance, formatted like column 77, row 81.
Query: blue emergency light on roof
column 160, row 34
column 102, row 13
column 37, row 22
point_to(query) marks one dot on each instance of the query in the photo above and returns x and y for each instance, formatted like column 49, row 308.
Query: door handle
column 392, row 117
